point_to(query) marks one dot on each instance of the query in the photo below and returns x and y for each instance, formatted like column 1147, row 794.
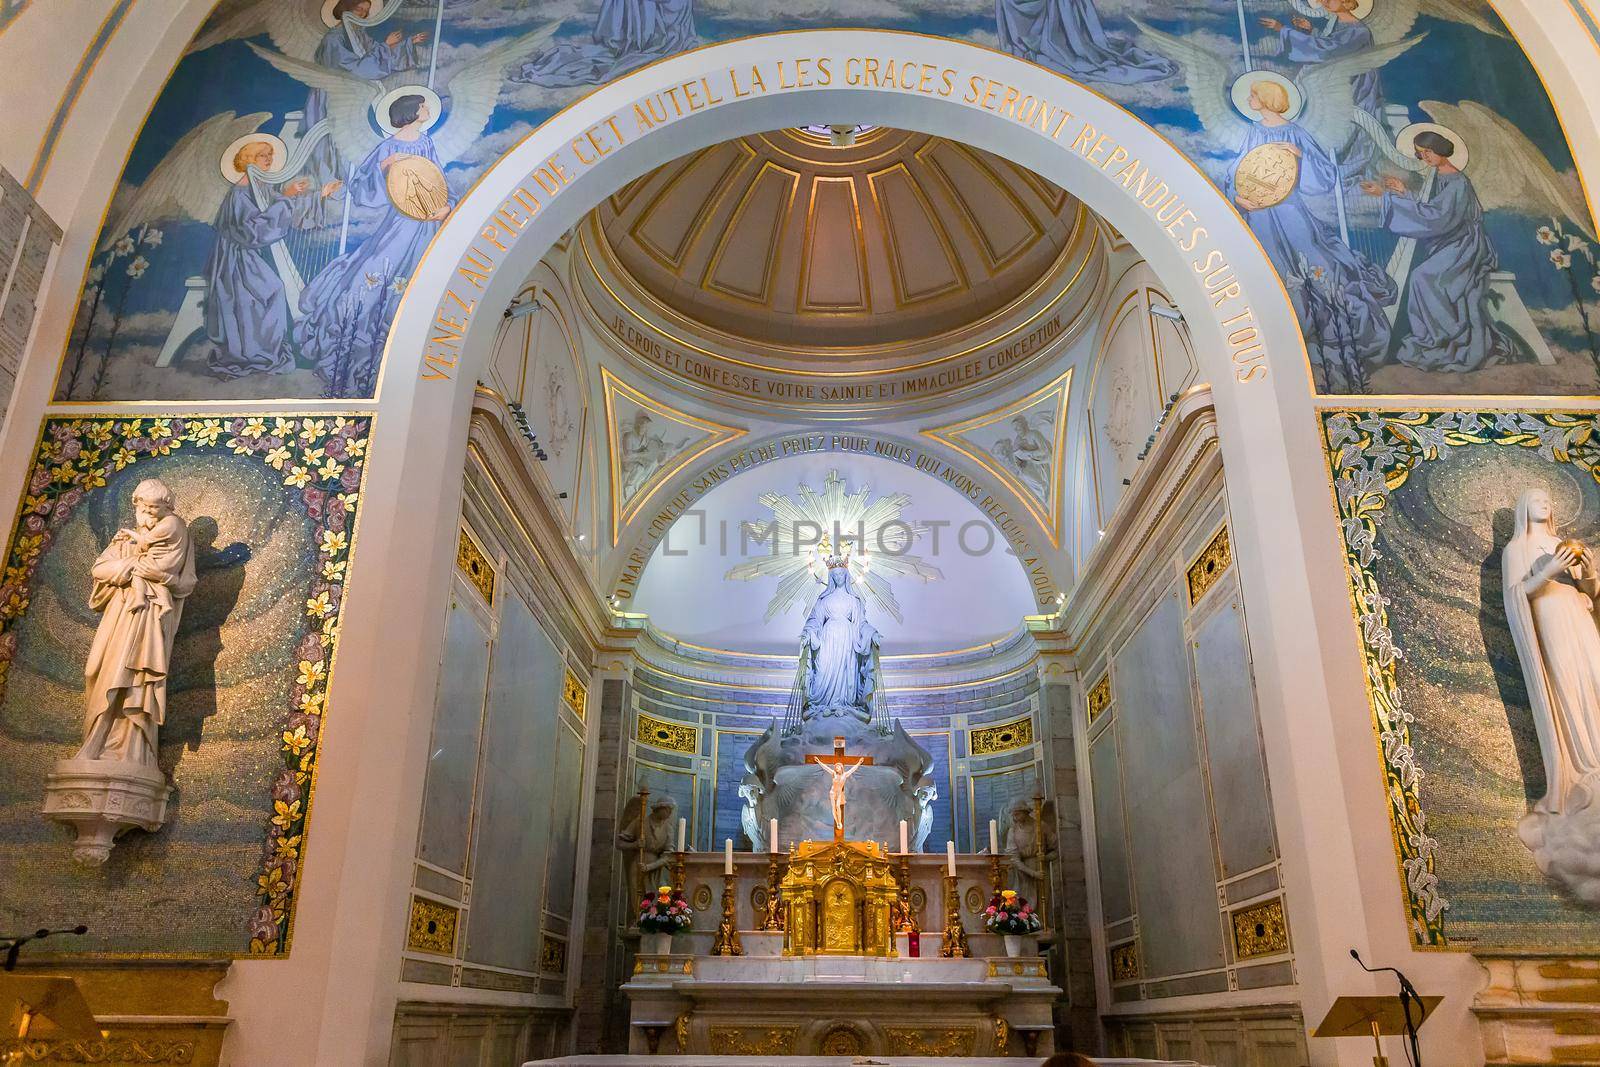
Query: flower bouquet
column 660, row 917
column 1012, row 916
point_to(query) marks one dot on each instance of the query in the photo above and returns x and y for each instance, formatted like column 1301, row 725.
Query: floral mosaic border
column 323, row 456
column 1370, row 455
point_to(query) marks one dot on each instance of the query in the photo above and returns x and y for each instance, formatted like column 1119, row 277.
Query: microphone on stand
column 1408, row 993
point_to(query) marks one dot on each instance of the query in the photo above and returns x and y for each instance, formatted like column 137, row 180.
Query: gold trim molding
column 753, row 1040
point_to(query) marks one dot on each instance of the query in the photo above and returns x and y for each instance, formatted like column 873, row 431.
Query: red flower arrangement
column 665, row 913
column 1008, row 913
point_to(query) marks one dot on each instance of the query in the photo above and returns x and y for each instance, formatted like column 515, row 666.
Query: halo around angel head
column 380, row 109
column 231, row 173
column 1246, row 81
column 377, row 10
column 1406, row 142
column 1362, row 9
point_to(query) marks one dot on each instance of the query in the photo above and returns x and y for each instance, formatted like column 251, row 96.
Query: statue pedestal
column 103, row 798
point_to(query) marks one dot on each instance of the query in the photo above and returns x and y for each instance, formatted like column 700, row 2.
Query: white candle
column 727, row 855
column 950, row 857
column 994, row 838
column 683, row 829
column 904, row 840
column 772, row 835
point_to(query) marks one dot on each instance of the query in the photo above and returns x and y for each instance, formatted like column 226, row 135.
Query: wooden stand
column 1379, row 1017
column 955, row 936
column 727, row 942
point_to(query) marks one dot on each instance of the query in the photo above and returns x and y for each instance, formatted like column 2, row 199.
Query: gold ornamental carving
column 753, row 1040
column 837, row 898
column 842, row 1040
column 680, row 1031
column 1212, row 564
column 1260, row 930
column 1016, row 968
column 432, row 927
column 472, row 563
column 1267, row 174
column 702, row 897
column 976, row 901
column 574, row 693
column 1125, row 962
column 930, row 1041
column 672, row 736
column 115, row 1050
column 1099, row 697
column 552, row 955
column 1002, row 737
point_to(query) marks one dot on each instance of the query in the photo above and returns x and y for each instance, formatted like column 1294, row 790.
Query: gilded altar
column 837, row 899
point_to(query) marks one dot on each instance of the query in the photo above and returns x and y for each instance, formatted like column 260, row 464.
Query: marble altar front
column 882, row 1001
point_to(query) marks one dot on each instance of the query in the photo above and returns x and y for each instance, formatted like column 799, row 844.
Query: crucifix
column 839, row 767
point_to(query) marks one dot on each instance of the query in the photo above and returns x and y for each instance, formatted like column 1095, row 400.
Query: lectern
column 1376, row 1016
column 45, row 1005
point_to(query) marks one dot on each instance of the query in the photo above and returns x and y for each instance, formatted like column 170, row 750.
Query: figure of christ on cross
column 839, row 767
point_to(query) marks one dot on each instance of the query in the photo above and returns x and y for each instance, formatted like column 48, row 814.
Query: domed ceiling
column 781, row 266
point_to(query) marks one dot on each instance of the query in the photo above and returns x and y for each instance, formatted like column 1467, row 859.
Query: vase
column 655, row 944
column 1013, row 944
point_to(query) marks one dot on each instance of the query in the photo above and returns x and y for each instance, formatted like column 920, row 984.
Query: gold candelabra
column 774, row 919
column 727, row 942
column 996, row 876
column 677, row 870
column 908, row 918
column 955, row 936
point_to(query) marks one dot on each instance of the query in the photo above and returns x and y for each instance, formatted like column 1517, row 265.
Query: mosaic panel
column 471, row 561
column 1099, row 697
column 1003, row 737
column 1213, row 563
column 672, row 736
column 271, row 505
column 1260, row 930
column 432, row 927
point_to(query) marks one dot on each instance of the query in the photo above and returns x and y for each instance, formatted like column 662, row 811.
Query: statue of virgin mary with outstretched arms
column 839, row 651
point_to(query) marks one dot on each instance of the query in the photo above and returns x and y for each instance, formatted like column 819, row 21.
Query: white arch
column 1290, row 567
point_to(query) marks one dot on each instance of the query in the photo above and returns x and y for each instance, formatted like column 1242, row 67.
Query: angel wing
column 350, row 100
column 1391, row 20
column 1509, row 171
column 186, row 184
column 1207, row 75
column 474, row 89
column 295, row 26
column 1329, row 90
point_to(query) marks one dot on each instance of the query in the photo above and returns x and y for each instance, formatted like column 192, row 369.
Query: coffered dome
column 782, row 252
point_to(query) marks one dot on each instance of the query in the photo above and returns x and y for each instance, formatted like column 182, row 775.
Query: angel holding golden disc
column 1284, row 181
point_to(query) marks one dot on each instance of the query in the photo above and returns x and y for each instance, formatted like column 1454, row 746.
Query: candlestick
column 996, row 878
column 994, row 838
column 774, row 920
column 727, row 856
column 950, row 858
column 727, row 941
column 908, row 918
column 905, row 842
column 772, row 835
column 683, row 829
column 955, row 936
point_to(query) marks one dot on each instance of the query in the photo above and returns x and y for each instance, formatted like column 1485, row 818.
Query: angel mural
column 1027, row 452
column 627, row 34
column 229, row 174
column 1349, row 28
column 1282, row 178
column 1450, row 320
column 331, row 33
column 1068, row 35
column 347, row 308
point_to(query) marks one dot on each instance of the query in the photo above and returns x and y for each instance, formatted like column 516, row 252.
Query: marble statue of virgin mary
column 1551, row 586
column 838, row 651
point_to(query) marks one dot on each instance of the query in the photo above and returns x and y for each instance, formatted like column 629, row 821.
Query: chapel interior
column 537, row 541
